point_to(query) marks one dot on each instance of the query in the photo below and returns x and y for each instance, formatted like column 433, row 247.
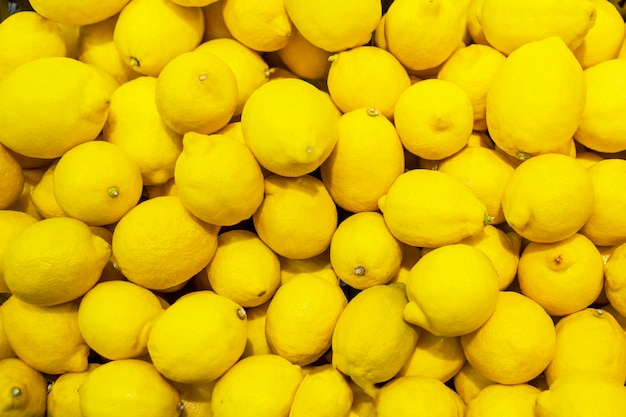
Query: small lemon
column 198, row 337
column 6, row 351
column 362, row 404
column 159, row 244
column 515, row 344
column 110, row 271
column 474, row 26
column 303, row 58
column 129, row 387
column 11, row 178
column 302, row 204
column 244, row 268
column 63, row 399
column 42, row 195
column 614, row 278
column 410, row 256
column 452, row 290
column 317, row 264
column 218, row 179
column 468, row 382
column 77, row 13
column 257, row 386
column 290, row 126
column 46, row 338
column 548, row 198
column 24, row 203
column 323, row 392
column 366, row 160
column 263, row 27
column 195, row 398
column 23, row 389
column 503, row 400
column 256, row 343
column 604, row 39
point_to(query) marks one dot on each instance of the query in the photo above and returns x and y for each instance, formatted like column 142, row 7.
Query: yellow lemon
column 150, row 33
column 581, row 394
column 110, row 272
column 504, row 400
column 256, row 340
column 6, row 351
column 535, row 100
column 515, row 344
column 410, row 256
column 27, row 36
column 472, row 68
column 452, row 211
column 548, row 198
column 512, row 24
column 23, row 389
column 42, row 195
column 257, row 386
column 301, row 318
column 474, row 25
column 362, row 404
column 129, row 387
column 414, row 396
column 334, row 27
column 563, row 277
column 323, row 392
column 11, row 178
column 599, row 128
column 54, row 261
column 588, row 158
column 614, row 279
column 194, row 3
column 97, row 183
column 77, row 13
column 290, row 126
column 63, row 400
column 366, row 76
column 46, row 338
column 604, row 39
column 115, row 318
column 50, row 105
column 365, row 161
column 317, row 264
column 363, row 252
column 302, row 204
column 371, row 341
column 434, row 118
column 195, row 398
column 214, row 25
column 244, row 268
column 24, row 203
column 263, row 27
column 218, row 179
column 159, row 244
column 423, row 35
column 198, row 337
column 452, row 290
column 468, row 382
column 588, row 341
column 303, row 58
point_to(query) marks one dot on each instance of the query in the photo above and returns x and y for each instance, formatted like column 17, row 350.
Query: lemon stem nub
column 114, row 192
column 488, row 218
column 241, row 313
column 598, row 312
column 522, row 156
column 16, row 392
column 372, row 112
column 180, row 407
column 309, row 149
column 134, row 62
column 203, row 77
column 359, row 271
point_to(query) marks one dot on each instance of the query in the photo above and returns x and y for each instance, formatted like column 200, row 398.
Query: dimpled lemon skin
column 504, row 400
column 324, row 392
column 615, row 279
column 76, row 12
column 63, row 400
column 12, row 223
column 22, row 389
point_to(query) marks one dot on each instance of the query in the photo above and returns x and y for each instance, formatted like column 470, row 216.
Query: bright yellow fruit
column 257, row 386
column 468, row 382
column 256, row 343
column 323, row 392
column 49, row 105
column 604, row 40
column 318, row 264
column 503, row 400
column 23, row 389
column 42, row 195
column 244, row 268
column 6, row 351
column 46, row 338
column 261, row 26
column 195, row 398
column 63, row 399
column 32, row 176
column 548, row 198
column 76, row 12
column 410, row 256
column 290, row 126
column 218, row 179
column 159, row 244
column 564, row 276
column 11, row 178
column 474, row 25
column 536, row 98
column 129, row 387
column 303, row 58
column 300, row 203
column 194, row 3
column 615, row 278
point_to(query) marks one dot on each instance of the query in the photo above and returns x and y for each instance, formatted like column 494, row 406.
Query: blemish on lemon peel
column 598, row 312
column 372, row 112
column 309, row 149
column 113, row 192
column 522, row 156
column 180, row 407
column 202, row 77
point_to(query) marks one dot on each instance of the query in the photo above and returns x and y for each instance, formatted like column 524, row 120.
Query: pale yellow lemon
column 77, row 13
column 515, row 344
column 256, row 340
column 23, row 389
column 468, row 382
column 323, row 392
column 365, row 161
column 11, row 178
column 42, row 195
column 263, row 27
column 63, row 400
column 305, row 59
column 214, row 25
column 614, row 279
column 516, row 400
column 604, row 40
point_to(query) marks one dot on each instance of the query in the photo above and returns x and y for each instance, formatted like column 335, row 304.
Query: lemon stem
column 522, row 156
column 134, row 62
column 241, row 313
column 598, row 312
column 488, row 219
column 180, row 407
column 114, row 192
column 359, row 271
column 203, row 77
column 372, row 112
column 332, row 58
column 16, row 392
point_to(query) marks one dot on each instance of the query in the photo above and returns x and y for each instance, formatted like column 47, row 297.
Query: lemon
column 129, row 387
column 424, row 35
column 410, row 256
column 198, row 337
column 194, row 3
column 363, row 252
column 588, row 158
column 371, row 341
column 604, row 39
column 452, row 290
column 27, row 36
column 581, row 394
column 195, row 398
column 256, row 341
column 244, row 268
column 504, row 400
column 468, row 382
column 303, row 58
column 318, row 264
column 50, row 105
column 365, row 161
column 46, row 338
column 474, row 25
column 218, row 179
column 535, row 100
column 302, row 204
column 548, row 198
column 42, row 195
column 76, row 13
column 614, row 279
column 323, row 392
column 263, row 27
column 6, row 351
column 599, row 129
column 362, row 404
column 515, row 344
column 588, row 341
column 63, row 400
column 472, row 68
column 233, row 129
column 414, row 396
column 24, row 203
column 563, row 277
column 23, row 389
column 257, row 386
column 110, row 271
column 290, row 126
column 159, row 244
column 12, row 178
column 150, row 33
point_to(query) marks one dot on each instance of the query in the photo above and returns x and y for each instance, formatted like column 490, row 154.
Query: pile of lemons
column 322, row 209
